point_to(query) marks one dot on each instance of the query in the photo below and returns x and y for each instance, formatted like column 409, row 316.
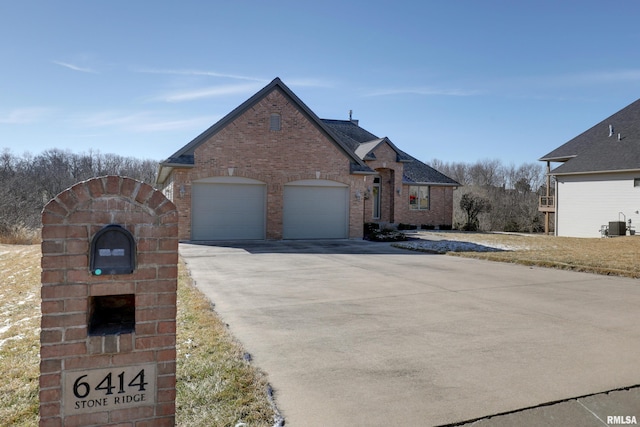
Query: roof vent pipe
column 610, row 130
column 355, row 122
column 619, row 137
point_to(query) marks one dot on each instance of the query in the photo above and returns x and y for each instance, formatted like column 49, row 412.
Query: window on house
column 274, row 122
column 419, row 197
column 636, row 182
column 376, row 198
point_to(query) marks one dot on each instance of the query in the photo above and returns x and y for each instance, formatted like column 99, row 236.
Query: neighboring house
column 271, row 169
column 599, row 179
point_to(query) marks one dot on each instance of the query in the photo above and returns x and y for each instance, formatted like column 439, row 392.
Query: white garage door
column 315, row 209
column 228, row 208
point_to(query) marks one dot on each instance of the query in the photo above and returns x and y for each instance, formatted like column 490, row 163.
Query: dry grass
column 19, row 334
column 19, row 235
column 612, row 256
column 215, row 385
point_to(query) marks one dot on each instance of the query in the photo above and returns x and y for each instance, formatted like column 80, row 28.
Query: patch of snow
column 444, row 246
column 25, row 320
column 17, row 337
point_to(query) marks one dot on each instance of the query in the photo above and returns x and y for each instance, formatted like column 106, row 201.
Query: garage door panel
column 228, row 211
column 315, row 212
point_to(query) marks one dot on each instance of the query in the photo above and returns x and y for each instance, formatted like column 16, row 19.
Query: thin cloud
column 199, row 73
column 602, row 76
column 309, row 82
column 143, row 121
column 170, row 125
column 24, row 116
column 208, row 92
column 300, row 82
column 562, row 81
column 424, row 91
column 75, row 67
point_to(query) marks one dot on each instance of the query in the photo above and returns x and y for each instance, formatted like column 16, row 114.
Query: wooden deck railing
column 547, row 204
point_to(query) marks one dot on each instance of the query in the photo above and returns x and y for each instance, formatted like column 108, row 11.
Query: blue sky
column 459, row 81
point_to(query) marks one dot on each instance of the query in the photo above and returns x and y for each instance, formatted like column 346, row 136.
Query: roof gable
column 611, row 145
column 356, row 143
column 184, row 156
column 366, row 150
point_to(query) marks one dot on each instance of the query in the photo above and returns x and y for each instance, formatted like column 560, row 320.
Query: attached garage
column 315, row 209
column 228, row 208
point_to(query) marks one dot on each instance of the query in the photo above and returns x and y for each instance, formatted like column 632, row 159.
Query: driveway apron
column 355, row 333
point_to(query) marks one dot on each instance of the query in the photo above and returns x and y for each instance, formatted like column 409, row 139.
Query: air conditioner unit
column 617, row 228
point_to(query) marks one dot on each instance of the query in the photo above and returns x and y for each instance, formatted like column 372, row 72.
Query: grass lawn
column 611, row 256
column 215, row 385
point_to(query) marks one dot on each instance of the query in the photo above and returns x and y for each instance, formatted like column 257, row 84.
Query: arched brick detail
column 77, row 196
column 69, row 222
column 312, row 175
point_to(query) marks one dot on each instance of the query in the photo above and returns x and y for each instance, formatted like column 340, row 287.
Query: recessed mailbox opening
column 113, row 251
column 112, row 314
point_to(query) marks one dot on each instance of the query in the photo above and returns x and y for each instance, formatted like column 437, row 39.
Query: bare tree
column 473, row 205
column 511, row 190
column 28, row 182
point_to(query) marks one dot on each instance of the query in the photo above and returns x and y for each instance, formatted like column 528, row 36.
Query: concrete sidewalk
column 355, row 333
column 617, row 407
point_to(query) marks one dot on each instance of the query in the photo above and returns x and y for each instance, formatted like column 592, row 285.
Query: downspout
column 555, row 214
column 548, row 191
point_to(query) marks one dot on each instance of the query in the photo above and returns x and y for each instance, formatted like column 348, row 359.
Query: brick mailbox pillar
column 109, row 281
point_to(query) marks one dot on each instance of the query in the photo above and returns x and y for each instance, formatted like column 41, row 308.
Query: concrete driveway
column 356, row 333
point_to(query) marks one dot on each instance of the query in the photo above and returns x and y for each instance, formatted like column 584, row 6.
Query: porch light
column 182, row 191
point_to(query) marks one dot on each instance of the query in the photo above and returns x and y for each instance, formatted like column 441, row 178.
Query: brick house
column 271, row 169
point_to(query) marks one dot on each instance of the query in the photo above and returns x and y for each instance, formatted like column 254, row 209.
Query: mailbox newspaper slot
column 113, row 251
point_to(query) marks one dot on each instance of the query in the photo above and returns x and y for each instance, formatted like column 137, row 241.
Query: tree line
column 28, row 182
column 496, row 197
column 492, row 196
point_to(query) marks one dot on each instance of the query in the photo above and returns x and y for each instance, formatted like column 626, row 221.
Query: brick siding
column 395, row 204
column 296, row 152
column 70, row 220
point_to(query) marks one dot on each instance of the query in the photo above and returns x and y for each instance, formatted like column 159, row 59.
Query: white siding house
column 586, row 203
column 599, row 179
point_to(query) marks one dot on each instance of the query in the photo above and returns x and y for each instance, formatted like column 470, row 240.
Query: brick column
column 123, row 376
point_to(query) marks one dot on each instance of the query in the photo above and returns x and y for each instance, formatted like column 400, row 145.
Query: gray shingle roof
column 418, row 172
column 598, row 149
column 184, row 159
column 364, row 142
column 349, row 131
column 356, row 142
